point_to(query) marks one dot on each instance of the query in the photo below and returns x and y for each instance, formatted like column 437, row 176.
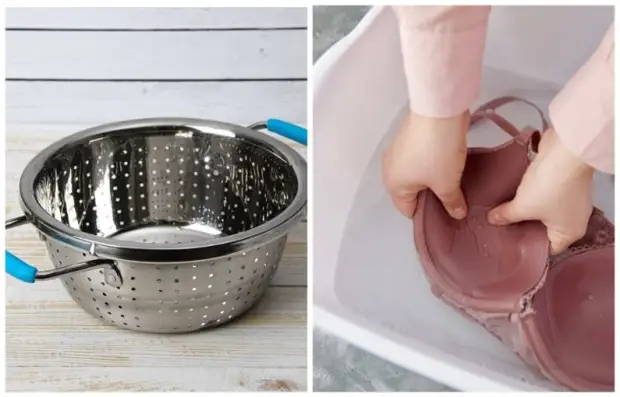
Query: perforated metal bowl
column 164, row 225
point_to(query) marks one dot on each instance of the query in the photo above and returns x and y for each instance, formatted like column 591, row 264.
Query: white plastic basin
column 368, row 283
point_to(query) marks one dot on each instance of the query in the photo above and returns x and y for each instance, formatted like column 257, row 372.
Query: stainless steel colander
column 164, row 225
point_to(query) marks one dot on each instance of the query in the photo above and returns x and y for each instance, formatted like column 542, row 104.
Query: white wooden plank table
column 247, row 65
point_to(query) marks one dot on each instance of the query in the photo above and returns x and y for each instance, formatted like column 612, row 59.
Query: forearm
column 442, row 48
column 583, row 112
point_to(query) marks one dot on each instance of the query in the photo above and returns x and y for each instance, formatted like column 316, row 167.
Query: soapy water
column 379, row 276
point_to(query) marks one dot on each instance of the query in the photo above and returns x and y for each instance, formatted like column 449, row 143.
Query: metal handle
column 29, row 274
column 283, row 128
column 13, row 222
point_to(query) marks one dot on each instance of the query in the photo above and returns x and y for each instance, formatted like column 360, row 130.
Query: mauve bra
column 556, row 313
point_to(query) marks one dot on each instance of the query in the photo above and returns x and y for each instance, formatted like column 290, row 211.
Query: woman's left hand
column 556, row 190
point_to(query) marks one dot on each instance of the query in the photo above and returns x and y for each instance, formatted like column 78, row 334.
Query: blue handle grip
column 288, row 130
column 19, row 269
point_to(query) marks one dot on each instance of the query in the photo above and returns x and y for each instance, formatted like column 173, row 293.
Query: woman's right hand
column 428, row 153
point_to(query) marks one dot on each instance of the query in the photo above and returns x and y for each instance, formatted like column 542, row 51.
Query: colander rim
column 114, row 249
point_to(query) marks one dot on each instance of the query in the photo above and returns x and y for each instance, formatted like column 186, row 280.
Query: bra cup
column 476, row 259
column 571, row 325
column 492, row 176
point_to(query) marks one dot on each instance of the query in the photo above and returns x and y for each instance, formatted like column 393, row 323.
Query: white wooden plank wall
column 155, row 18
column 84, row 66
column 69, row 69
column 156, row 55
column 91, row 103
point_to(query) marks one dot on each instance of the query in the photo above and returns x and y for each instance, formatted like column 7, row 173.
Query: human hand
column 427, row 153
column 556, row 190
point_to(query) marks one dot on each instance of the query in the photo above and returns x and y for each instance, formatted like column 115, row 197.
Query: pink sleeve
column 583, row 112
column 442, row 49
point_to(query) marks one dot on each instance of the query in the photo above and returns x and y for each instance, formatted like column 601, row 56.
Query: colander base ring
column 133, row 326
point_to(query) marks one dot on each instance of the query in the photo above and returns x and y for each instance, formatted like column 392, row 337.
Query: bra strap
column 487, row 111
